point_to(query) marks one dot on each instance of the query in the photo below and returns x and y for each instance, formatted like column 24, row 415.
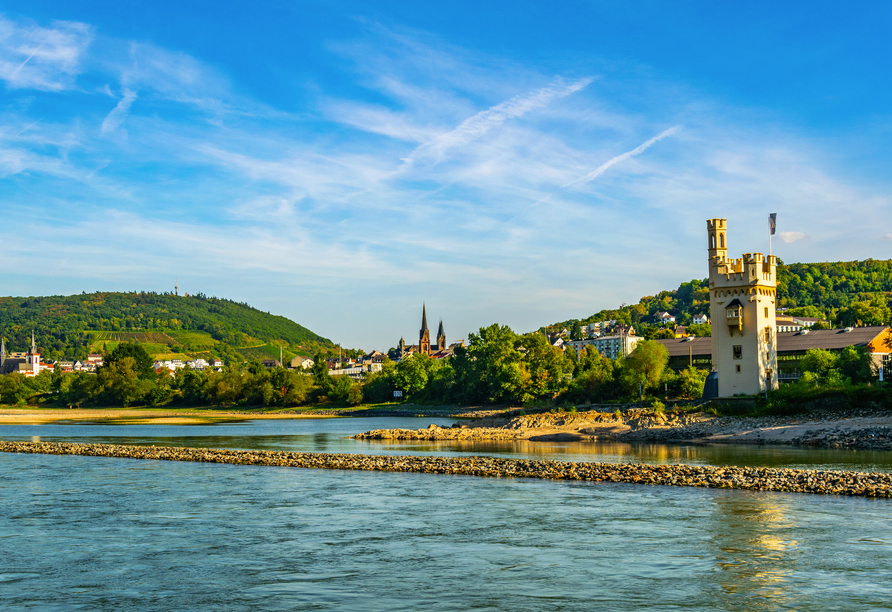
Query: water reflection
column 755, row 548
column 333, row 436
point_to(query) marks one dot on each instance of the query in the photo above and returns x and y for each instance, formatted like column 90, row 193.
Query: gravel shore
column 824, row 482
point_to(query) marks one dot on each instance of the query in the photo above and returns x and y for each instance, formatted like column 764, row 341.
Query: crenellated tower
column 742, row 302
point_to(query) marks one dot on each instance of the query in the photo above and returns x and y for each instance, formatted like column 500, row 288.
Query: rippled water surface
column 111, row 534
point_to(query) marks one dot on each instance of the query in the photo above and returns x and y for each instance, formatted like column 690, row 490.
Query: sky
column 342, row 163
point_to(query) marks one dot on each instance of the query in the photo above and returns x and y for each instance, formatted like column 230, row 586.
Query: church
column 27, row 364
column 424, row 340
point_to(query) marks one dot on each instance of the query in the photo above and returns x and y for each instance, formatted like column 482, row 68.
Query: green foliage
column 69, row 327
column 655, row 333
column 848, row 291
column 646, row 363
column 867, row 312
column 142, row 362
column 701, row 330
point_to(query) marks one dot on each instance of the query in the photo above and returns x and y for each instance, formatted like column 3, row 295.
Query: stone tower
column 441, row 338
column 742, row 297
column 2, row 353
column 424, row 336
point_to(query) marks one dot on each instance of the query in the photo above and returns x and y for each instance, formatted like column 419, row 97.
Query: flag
column 772, row 223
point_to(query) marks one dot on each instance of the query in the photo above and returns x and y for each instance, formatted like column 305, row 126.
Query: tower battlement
column 742, row 300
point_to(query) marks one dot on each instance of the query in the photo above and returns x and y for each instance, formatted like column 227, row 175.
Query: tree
column 142, row 362
column 701, row 330
column 647, row 362
column 869, row 312
column 576, row 331
column 691, row 382
column 660, row 334
column 818, row 361
column 320, row 374
column 856, row 364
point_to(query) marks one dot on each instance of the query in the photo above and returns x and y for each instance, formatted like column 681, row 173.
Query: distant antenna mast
column 176, row 287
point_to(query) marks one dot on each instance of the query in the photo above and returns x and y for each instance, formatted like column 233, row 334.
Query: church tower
column 742, row 301
column 2, row 353
column 424, row 336
column 441, row 338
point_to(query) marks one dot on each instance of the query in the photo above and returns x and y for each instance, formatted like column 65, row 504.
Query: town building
column 791, row 347
column 619, row 345
column 742, row 308
column 26, row 364
column 699, row 319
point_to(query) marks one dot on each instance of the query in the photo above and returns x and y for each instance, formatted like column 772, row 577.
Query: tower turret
column 441, row 338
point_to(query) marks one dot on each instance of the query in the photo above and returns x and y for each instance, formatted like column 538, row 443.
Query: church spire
column 441, row 338
column 424, row 336
column 33, row 344
column 2, row 352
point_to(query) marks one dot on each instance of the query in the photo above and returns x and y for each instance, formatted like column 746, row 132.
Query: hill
column 846, row 292
column 70, row 327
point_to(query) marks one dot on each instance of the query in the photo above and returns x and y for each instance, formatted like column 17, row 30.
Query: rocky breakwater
column 754, row 479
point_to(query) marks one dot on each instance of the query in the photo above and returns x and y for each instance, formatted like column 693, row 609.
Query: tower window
column 738, row 368
column 766, row 312
column 768, row 334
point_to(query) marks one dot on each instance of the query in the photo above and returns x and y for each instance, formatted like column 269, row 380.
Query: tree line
column 499, row 366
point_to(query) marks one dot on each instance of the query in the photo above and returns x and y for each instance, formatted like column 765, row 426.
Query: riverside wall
column 825, row 482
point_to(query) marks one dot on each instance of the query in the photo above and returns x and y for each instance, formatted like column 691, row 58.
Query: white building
column 700, row 319
column 609, row 346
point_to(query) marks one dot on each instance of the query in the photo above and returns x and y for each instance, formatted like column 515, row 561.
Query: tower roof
column 423, row 317
column 440, row 331
column 33, row 344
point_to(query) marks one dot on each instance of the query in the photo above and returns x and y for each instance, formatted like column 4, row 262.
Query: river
column 109, row 534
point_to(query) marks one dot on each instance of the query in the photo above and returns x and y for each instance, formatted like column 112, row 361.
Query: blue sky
column 339, row 163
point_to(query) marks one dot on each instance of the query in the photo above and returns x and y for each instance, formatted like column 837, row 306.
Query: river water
column 110, row 534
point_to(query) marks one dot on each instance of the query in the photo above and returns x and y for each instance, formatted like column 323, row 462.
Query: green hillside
column 70, row 327
column 846, row 292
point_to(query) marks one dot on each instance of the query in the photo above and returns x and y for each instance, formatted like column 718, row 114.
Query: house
column 786, row 323
column 681, row 331
column 303, row 363
column 700, row 319
column 270, row 363
column 664, row 317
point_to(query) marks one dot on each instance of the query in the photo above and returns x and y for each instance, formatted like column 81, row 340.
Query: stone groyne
column 728, row 477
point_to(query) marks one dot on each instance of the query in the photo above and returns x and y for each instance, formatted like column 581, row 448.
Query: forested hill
column 69, row 327
column 846, row 291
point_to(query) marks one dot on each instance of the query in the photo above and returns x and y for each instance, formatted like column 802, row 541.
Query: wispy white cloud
column 622, row 157
column 118, row 114
column 43, row 58
column 790, row 237
column 475, row 127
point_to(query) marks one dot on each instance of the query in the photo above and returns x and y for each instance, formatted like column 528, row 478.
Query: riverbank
column 864, row 429
column 10, row 415
column 822, row 482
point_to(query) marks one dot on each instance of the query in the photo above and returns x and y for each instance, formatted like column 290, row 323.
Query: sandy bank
column 823, row 482
column 137, row 416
